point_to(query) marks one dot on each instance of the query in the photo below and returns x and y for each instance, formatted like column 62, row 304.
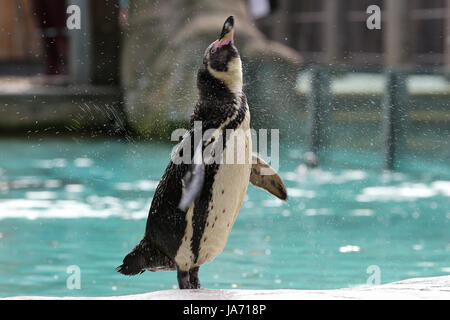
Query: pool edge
column 436, row 288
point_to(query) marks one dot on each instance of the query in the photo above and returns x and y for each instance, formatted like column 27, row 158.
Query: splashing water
column 65, row 203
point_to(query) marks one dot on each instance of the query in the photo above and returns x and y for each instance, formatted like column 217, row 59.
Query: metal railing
column 395, row 107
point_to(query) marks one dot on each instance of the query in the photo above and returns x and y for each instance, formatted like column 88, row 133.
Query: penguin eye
column 219, row 60
column 207, row 54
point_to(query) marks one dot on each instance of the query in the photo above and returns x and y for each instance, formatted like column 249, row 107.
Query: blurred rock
column 163, row 49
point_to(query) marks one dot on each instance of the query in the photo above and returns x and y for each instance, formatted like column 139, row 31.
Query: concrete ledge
column 29, row 108
column 436, row 288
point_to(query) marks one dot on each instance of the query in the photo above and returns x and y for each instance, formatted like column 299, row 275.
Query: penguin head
column 222, row 61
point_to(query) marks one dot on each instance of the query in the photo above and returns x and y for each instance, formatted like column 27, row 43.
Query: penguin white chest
column 228, row 192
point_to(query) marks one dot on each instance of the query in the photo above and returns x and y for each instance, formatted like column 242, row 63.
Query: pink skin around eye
column 217, row 44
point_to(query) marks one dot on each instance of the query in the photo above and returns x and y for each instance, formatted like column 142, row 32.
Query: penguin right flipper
column 265, row 177
column 193, row 179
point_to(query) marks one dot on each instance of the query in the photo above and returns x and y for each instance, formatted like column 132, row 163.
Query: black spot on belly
column 223, row 211
column 223, row 191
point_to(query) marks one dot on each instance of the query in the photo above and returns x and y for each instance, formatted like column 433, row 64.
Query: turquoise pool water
column 84, row 203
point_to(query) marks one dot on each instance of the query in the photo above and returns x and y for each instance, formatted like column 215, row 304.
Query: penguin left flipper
column 193, row 179
column 265, row 177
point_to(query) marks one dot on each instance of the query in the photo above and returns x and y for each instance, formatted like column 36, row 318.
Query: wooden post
column 106, row 35
column 318, row 109
column 447, row 37
column 398, row 34
column 394, row 119
column 280, row 22
column 80, row 57
column 334, row 34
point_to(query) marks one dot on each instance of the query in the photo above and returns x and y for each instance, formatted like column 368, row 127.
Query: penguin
column 196, row 202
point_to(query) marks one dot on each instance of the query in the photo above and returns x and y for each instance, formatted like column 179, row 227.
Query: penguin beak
column 226, row 35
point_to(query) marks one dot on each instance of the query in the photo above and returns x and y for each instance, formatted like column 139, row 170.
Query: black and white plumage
column 196, row 204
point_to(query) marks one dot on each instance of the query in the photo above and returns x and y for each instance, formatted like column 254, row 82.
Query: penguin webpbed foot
column 193, row 278
column 188, row 279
